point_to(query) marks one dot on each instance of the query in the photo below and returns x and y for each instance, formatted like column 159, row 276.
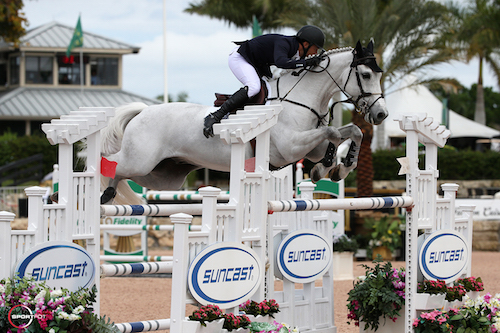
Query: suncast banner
column 444, row 255
column 304, row 256
column 59, row 264
column 225, row 274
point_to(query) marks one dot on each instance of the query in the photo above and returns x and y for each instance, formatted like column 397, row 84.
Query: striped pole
column 144, row 326
column 136, row 268
column 149, row 227
column 181, row 195
column 133, row 258
column 335, row 204
column 150, row 210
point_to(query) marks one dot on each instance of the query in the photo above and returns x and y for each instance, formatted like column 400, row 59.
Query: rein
column 364, row 108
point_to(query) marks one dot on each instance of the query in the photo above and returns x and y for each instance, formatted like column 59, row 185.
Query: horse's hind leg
column 110, row 192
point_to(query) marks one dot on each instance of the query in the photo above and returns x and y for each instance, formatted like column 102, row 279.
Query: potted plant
column 234, row 323
column 385, row 236
column 377, row 299
column 48, row 310
column 343, row 257
column 260, row 312
column 481, row 316
column 273, row 327
column 208, row 318
column 472, row 286
column 431, row 294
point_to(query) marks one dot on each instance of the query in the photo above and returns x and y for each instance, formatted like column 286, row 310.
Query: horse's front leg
column 341, row 170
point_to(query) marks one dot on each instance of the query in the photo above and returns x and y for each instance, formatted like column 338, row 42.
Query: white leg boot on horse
column 236, row 101
column 328, row 165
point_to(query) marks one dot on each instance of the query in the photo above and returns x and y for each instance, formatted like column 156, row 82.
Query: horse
column 157, row 146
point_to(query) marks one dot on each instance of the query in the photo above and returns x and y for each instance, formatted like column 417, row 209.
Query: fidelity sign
column 304, row 256
column 60, row 264
column 226, row 274
column 444, row 256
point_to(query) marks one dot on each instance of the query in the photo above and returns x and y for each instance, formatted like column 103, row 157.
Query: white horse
column 158, row 146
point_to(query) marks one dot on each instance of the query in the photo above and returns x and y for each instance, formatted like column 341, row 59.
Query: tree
column 12, row 21
column 181, row 97
column 479, row 36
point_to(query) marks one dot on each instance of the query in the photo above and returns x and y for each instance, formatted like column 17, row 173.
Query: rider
column 251, row 60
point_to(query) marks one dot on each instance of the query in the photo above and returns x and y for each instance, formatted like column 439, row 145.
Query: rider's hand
column 313, row 61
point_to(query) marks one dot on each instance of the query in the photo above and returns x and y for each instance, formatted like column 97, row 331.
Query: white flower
column 73, row 317
column 79, row 309
column 52, row 331
column 2, row 288
column 63, row 315
column 56, row 293
column 40, row 295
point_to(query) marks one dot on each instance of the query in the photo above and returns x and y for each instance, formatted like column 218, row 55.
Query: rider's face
column 312, row 50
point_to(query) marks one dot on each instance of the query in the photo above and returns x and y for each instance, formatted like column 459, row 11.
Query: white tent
column 411, row 99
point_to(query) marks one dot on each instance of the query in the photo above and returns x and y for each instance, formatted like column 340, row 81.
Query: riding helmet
column 312, row 34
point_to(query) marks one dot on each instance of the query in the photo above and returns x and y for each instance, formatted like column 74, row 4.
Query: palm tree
column 406, row 40
column 406, row 35
column 480, row 36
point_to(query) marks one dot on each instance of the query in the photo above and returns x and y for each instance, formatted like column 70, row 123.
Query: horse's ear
column 369, row 47
column 359, row 49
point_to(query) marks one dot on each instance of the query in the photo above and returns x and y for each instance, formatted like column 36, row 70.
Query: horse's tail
column 112, row 135
column 111, row 142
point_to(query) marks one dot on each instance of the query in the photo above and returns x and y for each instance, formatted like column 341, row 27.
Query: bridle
column 362, row 108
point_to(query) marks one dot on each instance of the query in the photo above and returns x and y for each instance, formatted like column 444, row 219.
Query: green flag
column 256, row 30
column 77, row 40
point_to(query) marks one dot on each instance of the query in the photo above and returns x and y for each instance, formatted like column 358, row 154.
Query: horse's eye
column 366, row 76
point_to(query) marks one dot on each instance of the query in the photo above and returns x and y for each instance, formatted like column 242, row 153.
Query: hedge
column 452, row 164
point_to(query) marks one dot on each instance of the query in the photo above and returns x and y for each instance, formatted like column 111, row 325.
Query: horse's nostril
column 382, row 115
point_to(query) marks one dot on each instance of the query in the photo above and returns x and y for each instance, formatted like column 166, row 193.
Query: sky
column 197, row 46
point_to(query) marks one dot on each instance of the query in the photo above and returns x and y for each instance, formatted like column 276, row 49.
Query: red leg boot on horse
column 236, row 101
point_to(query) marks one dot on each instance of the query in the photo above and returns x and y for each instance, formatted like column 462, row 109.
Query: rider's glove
column 313, row 61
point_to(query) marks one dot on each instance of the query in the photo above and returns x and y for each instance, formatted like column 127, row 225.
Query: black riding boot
column 237, row 100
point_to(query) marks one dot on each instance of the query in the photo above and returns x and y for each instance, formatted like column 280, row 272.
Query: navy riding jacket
column 271, row 49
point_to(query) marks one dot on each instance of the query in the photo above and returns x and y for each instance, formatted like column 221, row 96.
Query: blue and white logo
column 304, row 256
column 444, row 255
column 226, row 274
column 59, row 264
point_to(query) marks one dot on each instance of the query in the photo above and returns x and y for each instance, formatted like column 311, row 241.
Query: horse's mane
column 283, row 72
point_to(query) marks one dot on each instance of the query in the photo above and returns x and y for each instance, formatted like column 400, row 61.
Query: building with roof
column 38, row 82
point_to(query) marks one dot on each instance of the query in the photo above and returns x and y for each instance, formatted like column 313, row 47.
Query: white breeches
column 244, row 72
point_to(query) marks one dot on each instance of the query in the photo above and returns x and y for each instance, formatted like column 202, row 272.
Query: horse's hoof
column 315, row 174
column 335, row 174
column 108, row 195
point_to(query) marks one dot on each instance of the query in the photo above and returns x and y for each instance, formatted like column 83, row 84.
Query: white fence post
column 181, row 224
column 209, row 216
column 35, row 211
column 5, row 251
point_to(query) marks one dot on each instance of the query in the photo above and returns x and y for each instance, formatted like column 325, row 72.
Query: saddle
column 259, row 99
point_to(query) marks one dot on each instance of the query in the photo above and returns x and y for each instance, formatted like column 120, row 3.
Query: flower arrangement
column 455, row 292
column 385, row 231
column 206, row 313
column 342, row 243
column 264, row 308
column 432, row 287
column 379, row 295
column 275, row 327
column 50, row 310
column 233, row 322
column 470, row 283
column 481, row 316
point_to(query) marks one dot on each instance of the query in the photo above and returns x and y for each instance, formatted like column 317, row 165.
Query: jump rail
column 136, row 268
column 334, row 204
column 150, row 210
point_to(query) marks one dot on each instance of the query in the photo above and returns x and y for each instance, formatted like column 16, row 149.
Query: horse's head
column 363, row 85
